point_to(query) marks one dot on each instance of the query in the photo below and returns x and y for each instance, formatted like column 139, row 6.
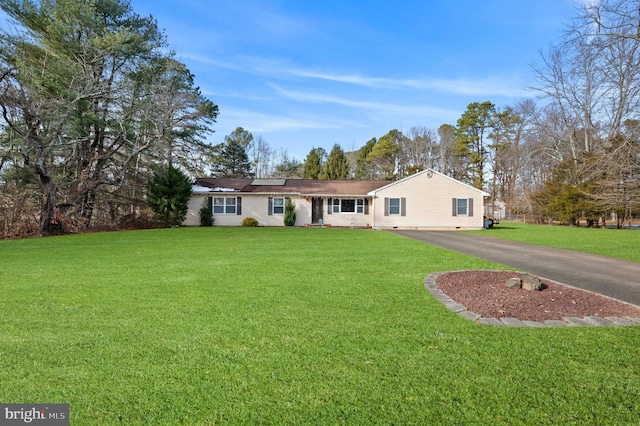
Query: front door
column 316, row 210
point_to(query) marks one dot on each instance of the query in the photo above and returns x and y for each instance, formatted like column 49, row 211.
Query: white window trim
column 399, row 206
column 337, row 208
column 225, row 206
column 466, row 207
column 273, row 206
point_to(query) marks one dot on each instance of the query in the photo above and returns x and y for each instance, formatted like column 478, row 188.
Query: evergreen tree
column 312, row 167
column 337, row 166
column 205, row 213
column 472, row 131
column 383, row 158
column 288, row 168
column 289, row 213
column 168, row 194
column 363, row 166
column 234, row 160
column 243, row 137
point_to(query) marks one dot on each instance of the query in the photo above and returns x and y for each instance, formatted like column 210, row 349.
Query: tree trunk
column 84, row 208
column 50, row 223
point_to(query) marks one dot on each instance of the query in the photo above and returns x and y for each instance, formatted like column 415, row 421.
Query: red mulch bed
column 485, row 293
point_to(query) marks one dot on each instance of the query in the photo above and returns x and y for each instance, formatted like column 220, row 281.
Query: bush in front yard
column 206, row 215
column 249, row 222
column 289, row 213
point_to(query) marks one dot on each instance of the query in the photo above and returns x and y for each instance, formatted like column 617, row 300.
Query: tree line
column 94, row 106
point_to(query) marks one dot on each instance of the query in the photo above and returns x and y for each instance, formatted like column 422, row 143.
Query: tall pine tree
column 337, row 166
column 234, row 160
column 363, row 162
column 312, row 166
column 471, row 133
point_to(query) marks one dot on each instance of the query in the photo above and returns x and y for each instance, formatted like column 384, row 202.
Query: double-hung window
column 394, row 206
column 224, row 205
column 462, row 207
column 278, row 205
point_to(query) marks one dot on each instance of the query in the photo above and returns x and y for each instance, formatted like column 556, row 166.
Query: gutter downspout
column 372, row 194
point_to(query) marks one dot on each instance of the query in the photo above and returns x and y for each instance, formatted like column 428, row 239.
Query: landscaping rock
column 531, row 283
column 514, row 283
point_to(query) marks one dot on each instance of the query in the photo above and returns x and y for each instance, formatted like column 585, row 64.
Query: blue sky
column 307, row 74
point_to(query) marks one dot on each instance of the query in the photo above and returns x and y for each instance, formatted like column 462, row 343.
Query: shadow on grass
column 500, row 227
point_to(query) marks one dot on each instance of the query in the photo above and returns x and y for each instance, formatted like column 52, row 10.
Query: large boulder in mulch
column 525, row 281
column 514, row 283
column 530, row 282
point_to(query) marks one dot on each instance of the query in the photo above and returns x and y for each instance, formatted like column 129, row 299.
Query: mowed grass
column 284, row 326
column 619, row 243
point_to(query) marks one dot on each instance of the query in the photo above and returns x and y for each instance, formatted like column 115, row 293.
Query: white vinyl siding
column 427, row 204
column 254, row 206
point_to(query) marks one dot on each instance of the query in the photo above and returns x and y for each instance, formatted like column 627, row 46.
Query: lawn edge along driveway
column 619, row 279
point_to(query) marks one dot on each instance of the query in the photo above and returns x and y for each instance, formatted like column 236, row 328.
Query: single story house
column 425, row 200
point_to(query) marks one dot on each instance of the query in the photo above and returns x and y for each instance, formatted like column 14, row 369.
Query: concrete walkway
column 615, row 278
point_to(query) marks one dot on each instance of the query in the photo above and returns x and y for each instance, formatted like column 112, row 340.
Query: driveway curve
column 611, row 277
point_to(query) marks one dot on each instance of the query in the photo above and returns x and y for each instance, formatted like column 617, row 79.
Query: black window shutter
column 366, row 206
column 210, row 204
column 270, row 212
column 330, row 204
column 454, row 209
column 470, row 206
column 386, row 206
column 239, row 206
column 403, row 206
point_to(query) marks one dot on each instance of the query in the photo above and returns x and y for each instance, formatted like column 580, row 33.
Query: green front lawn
column 284, row 326
column 620, row 243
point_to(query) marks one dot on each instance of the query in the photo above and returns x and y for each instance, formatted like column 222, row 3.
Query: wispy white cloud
column 498, row 85
column 266, row 122
column 380, row 107
column 459, row 86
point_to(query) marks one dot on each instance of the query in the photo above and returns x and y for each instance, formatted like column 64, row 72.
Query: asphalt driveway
column 615, row 278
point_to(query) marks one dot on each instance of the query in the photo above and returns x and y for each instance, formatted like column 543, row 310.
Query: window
column 348, row 205
column 278, row 206
column 226, row 205
column 336, row 205
column 462, row 207
column 394, row 206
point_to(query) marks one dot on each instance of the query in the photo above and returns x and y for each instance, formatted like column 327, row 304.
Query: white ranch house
column 425, row 200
